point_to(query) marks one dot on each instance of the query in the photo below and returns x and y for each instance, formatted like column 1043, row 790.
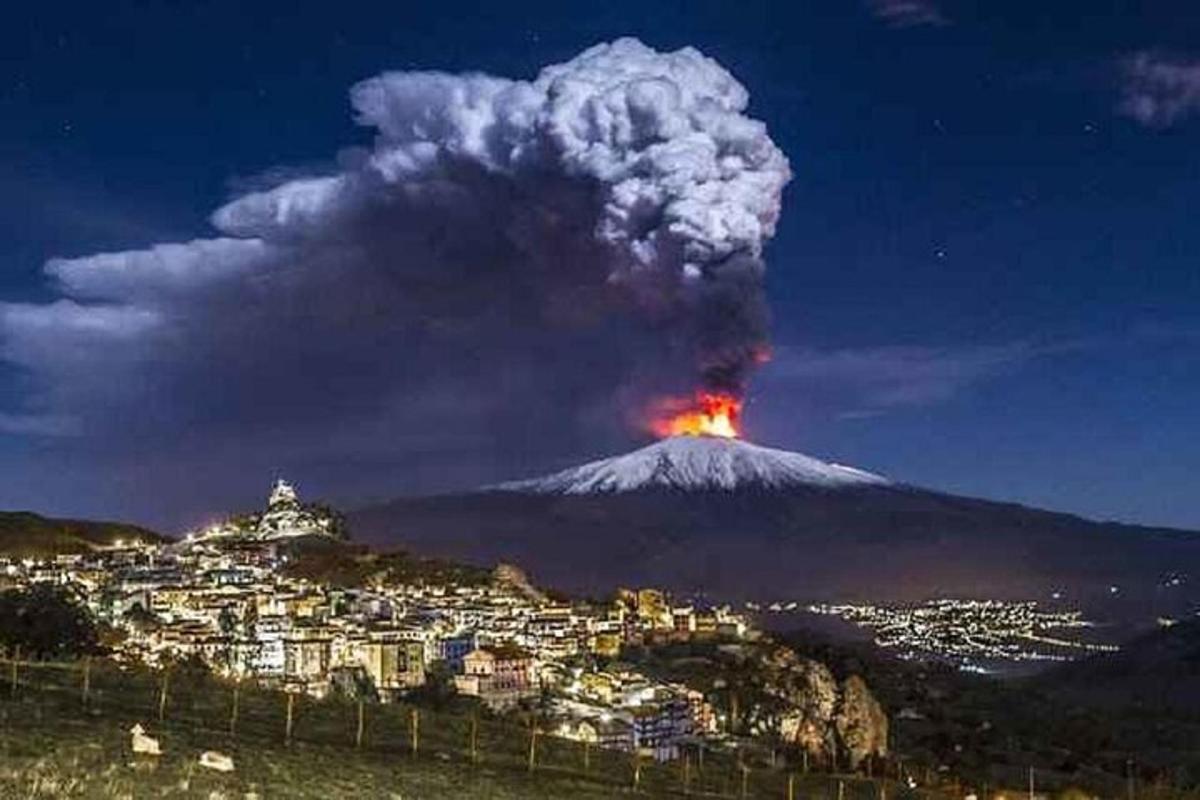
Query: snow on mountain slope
column 696, row 463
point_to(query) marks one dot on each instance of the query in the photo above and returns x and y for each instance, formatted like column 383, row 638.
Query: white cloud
column 861, row 383
column 38, row 425
column 160, row 272
column 1158, row 89
column 907, row 13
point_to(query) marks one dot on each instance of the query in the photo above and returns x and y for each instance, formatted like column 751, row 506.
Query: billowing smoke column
column 649, row 156
column 589, row 237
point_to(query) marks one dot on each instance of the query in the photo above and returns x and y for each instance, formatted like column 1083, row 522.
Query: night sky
column 984, row 278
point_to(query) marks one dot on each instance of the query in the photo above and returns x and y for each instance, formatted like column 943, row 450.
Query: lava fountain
column 706, row 414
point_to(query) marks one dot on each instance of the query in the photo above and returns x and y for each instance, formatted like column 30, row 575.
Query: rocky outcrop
column 860, row 722
column 810, row 697
column 806, row 706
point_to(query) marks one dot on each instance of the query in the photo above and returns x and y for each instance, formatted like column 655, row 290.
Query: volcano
column 736, row 520
column 697, row 464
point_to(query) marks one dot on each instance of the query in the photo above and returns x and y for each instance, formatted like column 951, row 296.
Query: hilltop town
column 277, row 597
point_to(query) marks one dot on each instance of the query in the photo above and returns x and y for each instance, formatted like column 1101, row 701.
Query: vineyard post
column 415, row 717
column 841, row 790
column 746, row 781
column 687, row 774
column 233, row 710
column 358, row 733
column 637, row 771
column 291, row 708
column 474, row 738
column 16, row 656
column 87, row 679
column 533, row 734
column 791, row 792
column 162, row 695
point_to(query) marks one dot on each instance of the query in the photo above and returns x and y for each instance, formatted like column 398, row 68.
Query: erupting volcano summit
column 698, row 462
column 710, row 414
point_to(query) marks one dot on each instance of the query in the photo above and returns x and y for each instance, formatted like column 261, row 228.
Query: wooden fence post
column 162, row 696
column 87, row 679
column 358, row 734
column 233, row 711
column 533, row 734
column 791, row 792
column 291, row 707
column 474, row 738
column 415, row 717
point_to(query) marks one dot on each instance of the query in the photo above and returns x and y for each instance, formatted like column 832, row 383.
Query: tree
column 438, row 689
column 45, row 622
column 338, row 528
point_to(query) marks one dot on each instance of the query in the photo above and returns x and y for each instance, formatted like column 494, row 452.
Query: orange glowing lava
column 708, row 414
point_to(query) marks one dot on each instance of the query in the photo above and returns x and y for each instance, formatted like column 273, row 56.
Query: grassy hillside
column 46, row 755
column 54, row 744
column 23, row 533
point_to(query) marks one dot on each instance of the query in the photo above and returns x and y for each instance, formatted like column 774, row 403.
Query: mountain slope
column 23, row 533
column 747, row 522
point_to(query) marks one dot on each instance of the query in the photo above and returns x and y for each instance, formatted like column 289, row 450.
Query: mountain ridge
column 25, row 533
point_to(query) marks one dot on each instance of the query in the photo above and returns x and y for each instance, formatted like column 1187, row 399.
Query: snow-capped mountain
column 738, row 520
column 690, row 463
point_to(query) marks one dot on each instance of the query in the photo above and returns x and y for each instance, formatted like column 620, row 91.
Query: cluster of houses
column 224, row 596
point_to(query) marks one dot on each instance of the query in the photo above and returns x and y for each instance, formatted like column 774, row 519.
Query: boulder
column 218, row 761
column 143, row 744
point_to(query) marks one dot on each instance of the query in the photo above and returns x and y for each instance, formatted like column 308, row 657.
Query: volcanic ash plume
column 649, row 154
column 595, row 233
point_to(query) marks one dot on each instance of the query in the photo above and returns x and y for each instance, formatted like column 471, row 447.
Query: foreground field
column 64, row 732
column 46, row 754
